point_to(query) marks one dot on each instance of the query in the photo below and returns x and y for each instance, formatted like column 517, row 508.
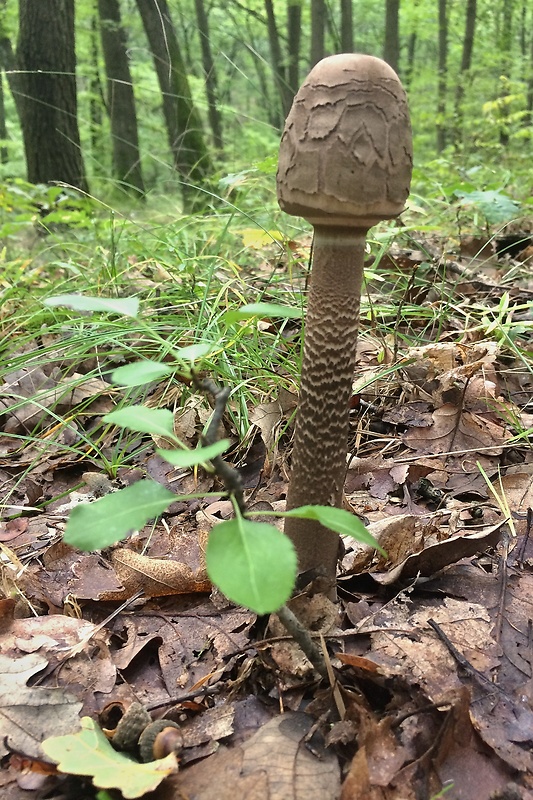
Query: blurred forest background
column 183, row 98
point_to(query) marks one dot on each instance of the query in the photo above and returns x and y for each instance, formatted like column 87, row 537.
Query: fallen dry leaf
column 30, row 714
column 155, row 577
column 454, row 429
column 274, row 764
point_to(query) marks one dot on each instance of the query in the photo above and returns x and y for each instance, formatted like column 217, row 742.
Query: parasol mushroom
column 345, row 164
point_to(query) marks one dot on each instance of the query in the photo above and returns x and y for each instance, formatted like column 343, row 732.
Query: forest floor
column 429, row 651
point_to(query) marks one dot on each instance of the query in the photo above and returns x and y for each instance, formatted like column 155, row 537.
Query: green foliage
column 141, row 372
column 90, row 753
column 453, row 197
column 24, row 204
column 252, row 563
column 141, row 419
column 495, row 206
column 264, row 310
column 128, row 307
column 93, row 526
column 338, row 520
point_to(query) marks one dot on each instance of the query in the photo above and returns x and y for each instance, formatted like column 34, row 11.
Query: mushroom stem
column 322, row 423
column 345, row 163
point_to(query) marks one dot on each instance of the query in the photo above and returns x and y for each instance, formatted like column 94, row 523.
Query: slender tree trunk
column 284, row 90
column 186, row 139
column 411, row 51
column 210, row 76
column 523, row 34
column 47, row 59
column 4, row 153
column 97, row 102
column 347, row 38
column 294, row 29
column 411, row 46
column 466, row 65
column 8, row 63
column 506, row 43
column 6, row 56
column 272, row 109
column 442, row 76
column 391, row 49
column 318, row 31
column 120, row 99
column 529, row 118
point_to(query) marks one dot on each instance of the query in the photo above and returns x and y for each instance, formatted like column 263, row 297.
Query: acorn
column 132, row 722
column 159, row 739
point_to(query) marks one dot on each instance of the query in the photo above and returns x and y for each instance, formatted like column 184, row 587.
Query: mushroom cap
column 345, row 157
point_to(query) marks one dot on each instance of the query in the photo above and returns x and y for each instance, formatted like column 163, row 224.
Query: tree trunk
column 9, row 65
column 120, row 99
column 347, row 26
column 523, row 36
column 318, row 31
column 505, row 48
column 4, row 153
column 529, row 100
column 411, row 51
column 47, row 59
column 391, row 50
column 442, row 76
column 210, row 76
column 97, row 102
column 272, row 109
column 294, row 29
column 466, row 65
column 284, row 90
column 184, row 129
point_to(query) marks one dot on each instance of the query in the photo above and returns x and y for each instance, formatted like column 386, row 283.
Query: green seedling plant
column 252, row 563
column 90, row 753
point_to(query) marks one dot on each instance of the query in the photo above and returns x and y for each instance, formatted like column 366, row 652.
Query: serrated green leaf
column 126, row 306
column 338, row 520
column 190, row 458
column 140, row 372
column 142, row 419
column 252, row 563
column 90, row 753
column 262, row 310
column 92, row 526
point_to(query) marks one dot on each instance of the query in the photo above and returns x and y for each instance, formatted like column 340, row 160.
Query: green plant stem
column 301, row 635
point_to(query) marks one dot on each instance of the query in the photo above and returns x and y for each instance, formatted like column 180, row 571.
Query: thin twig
column 462, row 661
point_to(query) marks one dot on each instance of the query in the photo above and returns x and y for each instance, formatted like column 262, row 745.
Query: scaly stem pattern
column 321, row 432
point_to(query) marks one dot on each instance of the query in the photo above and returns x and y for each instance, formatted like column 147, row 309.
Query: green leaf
column 140, row 372
column 257, row 238
column 190, row 458
column 89, row 753
column 252, row 563
column 262, row 310
column 92, row 526
column 338, row 520
column 194, row 351
column 495, row 206
column 142, row 419
column 126, row 306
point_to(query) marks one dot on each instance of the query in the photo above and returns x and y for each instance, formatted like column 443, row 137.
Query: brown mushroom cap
column 346, row 154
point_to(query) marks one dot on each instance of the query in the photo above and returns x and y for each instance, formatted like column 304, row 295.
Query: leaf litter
column 430, row 648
